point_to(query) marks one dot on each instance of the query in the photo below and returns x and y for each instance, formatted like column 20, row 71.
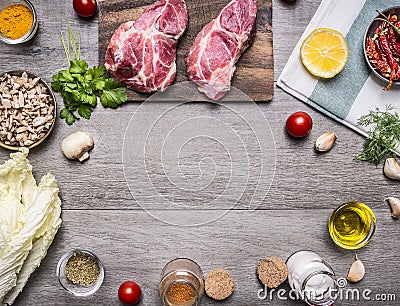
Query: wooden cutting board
column 255, row 69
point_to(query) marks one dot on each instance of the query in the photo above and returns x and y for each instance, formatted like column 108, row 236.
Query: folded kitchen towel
column 354, row 91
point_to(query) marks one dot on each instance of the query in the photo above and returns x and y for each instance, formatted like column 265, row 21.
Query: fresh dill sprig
column 383, row 136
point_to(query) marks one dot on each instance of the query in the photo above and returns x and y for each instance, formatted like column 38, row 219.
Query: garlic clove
column 394, row 206
column 357, row 271
column 392, row 169
column 325, row 142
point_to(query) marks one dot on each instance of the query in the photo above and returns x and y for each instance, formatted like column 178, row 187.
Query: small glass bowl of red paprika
column 18, row 21
column 382, row 46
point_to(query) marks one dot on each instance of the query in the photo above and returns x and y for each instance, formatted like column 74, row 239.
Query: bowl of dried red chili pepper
column 382, row 46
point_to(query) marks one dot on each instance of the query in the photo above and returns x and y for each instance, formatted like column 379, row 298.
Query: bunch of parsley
column 81, row 87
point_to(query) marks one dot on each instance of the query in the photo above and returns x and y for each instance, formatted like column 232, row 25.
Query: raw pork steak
column 212, row 58
column 142, row 53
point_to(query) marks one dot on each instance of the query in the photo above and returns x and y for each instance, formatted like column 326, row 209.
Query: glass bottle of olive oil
column 352, row 225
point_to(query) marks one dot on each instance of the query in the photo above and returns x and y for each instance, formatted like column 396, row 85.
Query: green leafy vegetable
column 81, row 86
column 383, row 137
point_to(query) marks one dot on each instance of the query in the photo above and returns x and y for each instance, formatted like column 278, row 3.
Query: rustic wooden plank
column 99, row 212
column 254, row 74
column 326, row 180
column 132, row 245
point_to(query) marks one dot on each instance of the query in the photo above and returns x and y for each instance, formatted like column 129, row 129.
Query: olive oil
column 352, row 225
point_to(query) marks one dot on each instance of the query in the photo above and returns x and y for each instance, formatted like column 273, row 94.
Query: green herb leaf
column 56, row 86
column 64, row 76
column 99, row 83
column 85, row 111
column 68, row 116
column 383, row 136
column 111, row 84
column 78, row 66
column 89, row 99
column 113, row 97
column 96, row 71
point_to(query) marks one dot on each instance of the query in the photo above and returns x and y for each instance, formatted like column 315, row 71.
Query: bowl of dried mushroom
column 27, row 110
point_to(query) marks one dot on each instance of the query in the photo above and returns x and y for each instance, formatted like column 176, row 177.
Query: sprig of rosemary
column 383, row 136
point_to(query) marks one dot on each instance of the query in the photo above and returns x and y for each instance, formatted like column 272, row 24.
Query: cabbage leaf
column 29, row 219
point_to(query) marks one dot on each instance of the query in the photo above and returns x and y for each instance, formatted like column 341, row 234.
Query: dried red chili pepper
column 377, row 58
column 394, row 66
column 395, row 46
column 379, row 29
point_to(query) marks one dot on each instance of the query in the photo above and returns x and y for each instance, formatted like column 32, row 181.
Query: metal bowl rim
column 30, row 33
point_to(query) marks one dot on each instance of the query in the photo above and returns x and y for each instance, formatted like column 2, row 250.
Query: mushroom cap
column 77, row 144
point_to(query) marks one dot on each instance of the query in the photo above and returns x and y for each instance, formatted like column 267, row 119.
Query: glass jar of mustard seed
column 312, row 279
column 181, row 283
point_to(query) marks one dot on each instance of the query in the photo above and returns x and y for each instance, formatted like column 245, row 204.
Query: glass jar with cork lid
column 181, row 283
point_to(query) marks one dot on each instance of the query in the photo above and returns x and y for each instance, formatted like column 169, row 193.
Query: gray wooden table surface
column 100, row 213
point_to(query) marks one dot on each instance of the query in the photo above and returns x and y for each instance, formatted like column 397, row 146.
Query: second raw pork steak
column 142, row 53
column 212, row 58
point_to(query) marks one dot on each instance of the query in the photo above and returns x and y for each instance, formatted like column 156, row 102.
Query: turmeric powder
column 15, row 21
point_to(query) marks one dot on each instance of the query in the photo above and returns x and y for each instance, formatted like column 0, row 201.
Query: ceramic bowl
column 370, row 33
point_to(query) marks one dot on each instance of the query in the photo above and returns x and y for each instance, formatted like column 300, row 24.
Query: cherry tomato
column 129, row 293
column 299, row 124
column 85, row 8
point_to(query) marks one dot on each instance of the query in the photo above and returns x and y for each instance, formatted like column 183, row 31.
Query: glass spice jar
column 181, row 283
column 312, row 279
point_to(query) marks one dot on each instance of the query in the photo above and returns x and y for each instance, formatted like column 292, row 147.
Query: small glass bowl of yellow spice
column 18, row 21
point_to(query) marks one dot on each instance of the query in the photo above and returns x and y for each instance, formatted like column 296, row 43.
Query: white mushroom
column 77, row 145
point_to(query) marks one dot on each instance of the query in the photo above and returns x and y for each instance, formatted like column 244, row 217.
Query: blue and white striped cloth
column 354, row 91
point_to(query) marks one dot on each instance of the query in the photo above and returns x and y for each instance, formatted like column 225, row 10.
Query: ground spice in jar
column 82, row 269
column 15, row 21
column 180, row 293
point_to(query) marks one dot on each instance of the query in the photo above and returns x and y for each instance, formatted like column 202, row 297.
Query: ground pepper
column 180, row 293
column 15, row 21
column 82, row 269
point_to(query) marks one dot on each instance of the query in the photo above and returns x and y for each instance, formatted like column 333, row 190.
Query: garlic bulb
column 357, row 271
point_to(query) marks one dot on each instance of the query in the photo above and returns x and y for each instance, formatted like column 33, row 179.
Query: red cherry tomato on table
column 299, row 124
column 129, row 293
column 85, row 8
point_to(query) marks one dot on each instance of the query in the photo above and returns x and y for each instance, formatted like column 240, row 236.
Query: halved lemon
column 324, row 52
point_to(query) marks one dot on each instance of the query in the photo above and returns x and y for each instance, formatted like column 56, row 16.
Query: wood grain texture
column 132, row 245
column 255, row 69
column 99, row 212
